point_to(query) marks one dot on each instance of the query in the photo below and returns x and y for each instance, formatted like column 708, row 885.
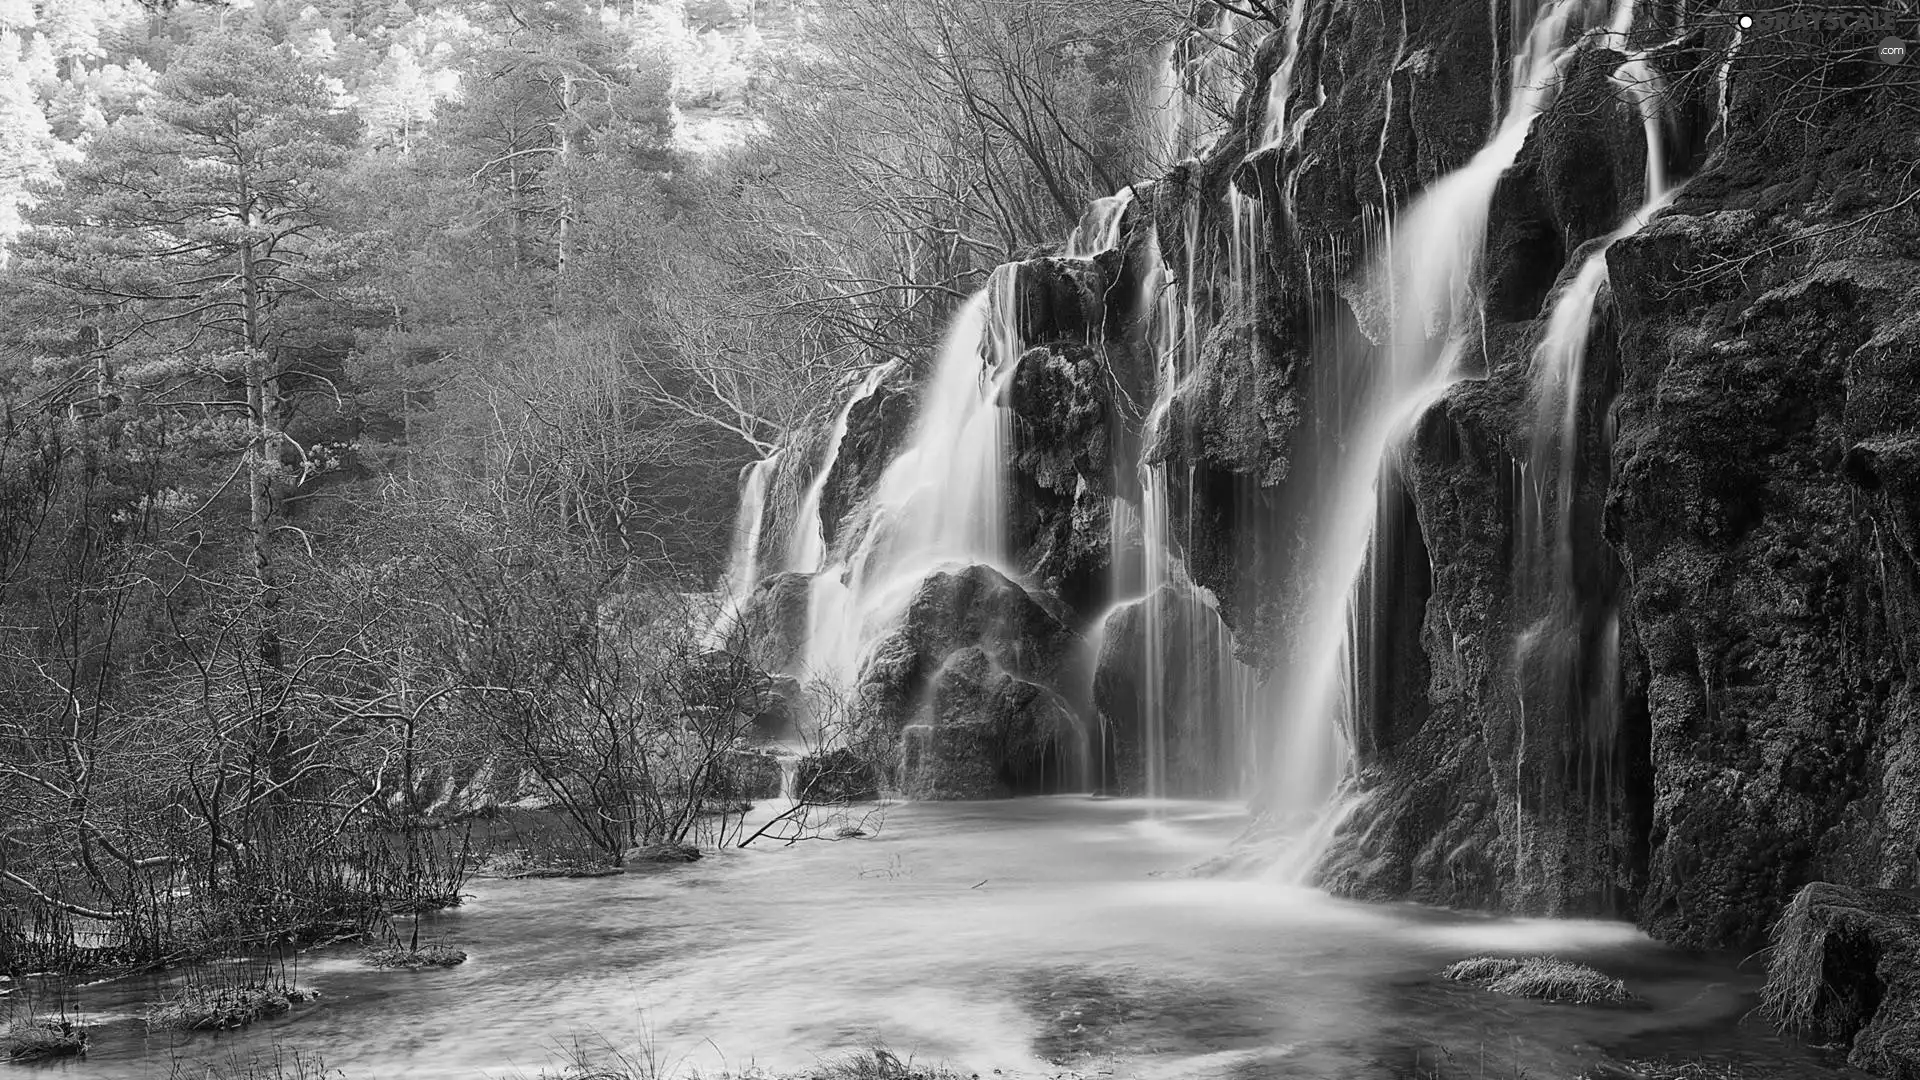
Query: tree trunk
column 263, row 454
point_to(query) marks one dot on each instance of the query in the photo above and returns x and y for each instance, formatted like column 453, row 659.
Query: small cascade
column 1246, row 241
column 807, row 547
column 1099, row 228
column 1422, row 311
column 1274, row 129
column 1567, row 648
column 743, row 561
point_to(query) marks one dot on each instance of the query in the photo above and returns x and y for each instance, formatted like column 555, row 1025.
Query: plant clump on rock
column 400, row 955
column 222, row 1008
column 664, row 853
column 39, row 1040
column 1541, row 977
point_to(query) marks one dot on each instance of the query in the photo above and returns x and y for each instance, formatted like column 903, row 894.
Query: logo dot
column 1746, row 22
column 1892, row 50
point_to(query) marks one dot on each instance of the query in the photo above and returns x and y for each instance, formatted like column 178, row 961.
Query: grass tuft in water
column 220, row 1008
column 43, row 1040
column 1542, row 977
column 398, row 955
column 1644, row 1069
column 277, row 1062
column 879, row 1064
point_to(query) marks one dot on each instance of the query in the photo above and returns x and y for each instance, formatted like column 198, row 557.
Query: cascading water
column 1567, row 650
column 1196, row 699
column 1423, row 293
column 941, row 501
column 807, row 547
column 1099, row 228
column 743, row 562
column 1274, row 129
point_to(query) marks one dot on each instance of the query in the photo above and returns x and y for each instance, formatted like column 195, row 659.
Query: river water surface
column 1029, row 936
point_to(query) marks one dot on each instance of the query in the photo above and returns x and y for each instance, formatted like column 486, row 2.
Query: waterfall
column 1425, row 279
column 941, row 501
column 743, row 561
column 1566, row 654
column 807, row 547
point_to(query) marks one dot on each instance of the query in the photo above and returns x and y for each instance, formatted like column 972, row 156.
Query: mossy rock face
column 1542, row 978
column 1845, row 969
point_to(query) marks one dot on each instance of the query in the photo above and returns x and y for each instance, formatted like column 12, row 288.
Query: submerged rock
column 1845, row 969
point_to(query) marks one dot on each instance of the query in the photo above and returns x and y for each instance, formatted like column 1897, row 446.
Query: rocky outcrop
column 1845, row 970
column 977, row 661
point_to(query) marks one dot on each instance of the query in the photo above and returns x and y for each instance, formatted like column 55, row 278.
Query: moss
column 1542, row 977
column 39, row 1040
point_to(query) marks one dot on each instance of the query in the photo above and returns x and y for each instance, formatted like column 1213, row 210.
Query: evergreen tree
column 193, row 242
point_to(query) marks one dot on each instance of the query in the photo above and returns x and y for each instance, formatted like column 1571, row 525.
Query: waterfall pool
column 1039, row 937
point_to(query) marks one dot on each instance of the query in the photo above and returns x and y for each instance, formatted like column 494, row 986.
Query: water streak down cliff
column 1515, row 529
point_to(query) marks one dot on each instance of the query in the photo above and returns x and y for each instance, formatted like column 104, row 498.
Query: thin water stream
column 997, row 936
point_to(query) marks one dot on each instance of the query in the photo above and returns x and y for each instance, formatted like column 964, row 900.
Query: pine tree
column 193, row 240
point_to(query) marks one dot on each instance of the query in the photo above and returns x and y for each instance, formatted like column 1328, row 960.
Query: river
column 994, row 936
